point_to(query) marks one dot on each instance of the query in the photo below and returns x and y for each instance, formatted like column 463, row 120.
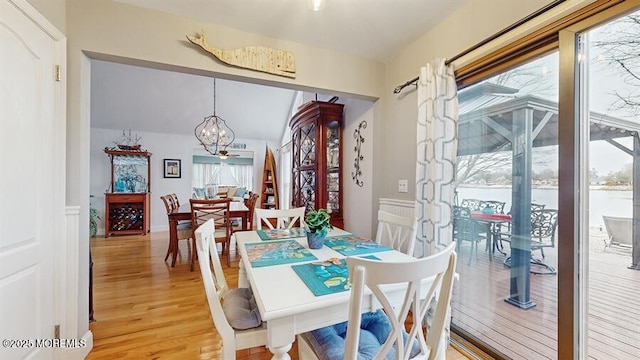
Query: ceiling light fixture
column 214, row 133
column 316, row 5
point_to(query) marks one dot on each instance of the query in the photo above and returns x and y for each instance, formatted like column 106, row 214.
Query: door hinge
column 56, row 332
column 58, row 73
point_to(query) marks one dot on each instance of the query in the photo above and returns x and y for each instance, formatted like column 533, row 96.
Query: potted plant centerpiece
column 317, row 226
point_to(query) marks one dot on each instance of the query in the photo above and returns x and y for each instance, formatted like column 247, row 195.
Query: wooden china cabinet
column 127, row 207
column 316, row 131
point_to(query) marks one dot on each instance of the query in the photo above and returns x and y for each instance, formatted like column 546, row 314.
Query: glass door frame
column 573, row 222
column 573, row 138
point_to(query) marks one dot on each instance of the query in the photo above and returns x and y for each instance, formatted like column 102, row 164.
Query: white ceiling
column 144, row 99
column 374, row 29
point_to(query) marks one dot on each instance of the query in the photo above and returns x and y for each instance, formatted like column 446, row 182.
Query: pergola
column 493, row 118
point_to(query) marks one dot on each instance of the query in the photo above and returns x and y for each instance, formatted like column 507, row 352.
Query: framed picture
column 172, row 168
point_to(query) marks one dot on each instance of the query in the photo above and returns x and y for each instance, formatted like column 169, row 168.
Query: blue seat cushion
column 329, row 342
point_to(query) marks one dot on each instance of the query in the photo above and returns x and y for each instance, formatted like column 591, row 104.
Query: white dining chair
column 236, row 313
column 279, row 218
column 380, row 334
column 396, row 231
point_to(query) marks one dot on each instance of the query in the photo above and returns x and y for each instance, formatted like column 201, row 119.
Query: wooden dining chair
column 184, row 230
column 235, row 317
column 250, row 203
column 398, row 232
column 218, row 211
column 280, row 218
column 382, row 334
column 175, row 200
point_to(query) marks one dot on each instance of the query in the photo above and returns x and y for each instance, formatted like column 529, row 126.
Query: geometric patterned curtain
column 437, row 145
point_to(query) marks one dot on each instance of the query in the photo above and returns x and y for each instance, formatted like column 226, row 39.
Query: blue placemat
column 350, row 244
column 326, row 277
column 279, row 234
column 277, row 252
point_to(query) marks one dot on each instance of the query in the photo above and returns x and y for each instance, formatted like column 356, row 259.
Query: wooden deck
column 614, row 306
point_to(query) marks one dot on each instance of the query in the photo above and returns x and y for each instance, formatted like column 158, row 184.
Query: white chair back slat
column 396, row 231
column 215, row 286
column 284, row 218
column 438, row 269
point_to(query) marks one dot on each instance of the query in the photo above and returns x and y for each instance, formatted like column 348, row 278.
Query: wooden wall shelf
column 269, row 196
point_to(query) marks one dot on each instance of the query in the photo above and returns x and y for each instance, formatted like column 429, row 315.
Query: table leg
column 496, row 239
column 245, row 221
column 242, row 276
column 281, row 353
column 173, row 241
column 280, row 337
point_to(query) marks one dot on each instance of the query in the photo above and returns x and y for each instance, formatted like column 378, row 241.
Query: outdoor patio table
column 493, row 222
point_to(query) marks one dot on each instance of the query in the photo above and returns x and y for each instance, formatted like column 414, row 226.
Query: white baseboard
column 77, row 353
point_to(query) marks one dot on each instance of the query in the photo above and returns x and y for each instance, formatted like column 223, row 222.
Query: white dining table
column 286, row 303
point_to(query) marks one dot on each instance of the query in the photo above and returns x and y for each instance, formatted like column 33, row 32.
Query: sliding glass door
column 506, row 217
column 608, row 61
column 547, row 213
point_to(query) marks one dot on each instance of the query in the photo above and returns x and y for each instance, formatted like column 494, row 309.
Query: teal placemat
column 279, row 234
column 326, row 277
column 349, row 245
column 277, row 252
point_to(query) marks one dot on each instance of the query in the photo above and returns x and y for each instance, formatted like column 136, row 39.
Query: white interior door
column 31, row 179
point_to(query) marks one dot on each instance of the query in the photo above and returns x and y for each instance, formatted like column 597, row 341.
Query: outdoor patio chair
column 496, row 206
column 507, row 231
column 619, row 232
column 471, row 204
column 543, row 235
column 466, row 229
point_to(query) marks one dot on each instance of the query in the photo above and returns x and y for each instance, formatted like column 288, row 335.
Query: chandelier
column 213, row 132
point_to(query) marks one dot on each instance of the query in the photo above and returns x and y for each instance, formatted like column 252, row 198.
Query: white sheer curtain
column 436, row 164
column 436, row 156
column 204, row 174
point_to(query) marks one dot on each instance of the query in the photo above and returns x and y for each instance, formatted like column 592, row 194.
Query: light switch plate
column 403, row 186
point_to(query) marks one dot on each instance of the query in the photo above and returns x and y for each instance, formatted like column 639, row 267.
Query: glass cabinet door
column 308, row 145
column 333, row 166
column 130, row 173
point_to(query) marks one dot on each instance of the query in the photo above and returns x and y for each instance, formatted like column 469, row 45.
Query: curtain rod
column 414, row 81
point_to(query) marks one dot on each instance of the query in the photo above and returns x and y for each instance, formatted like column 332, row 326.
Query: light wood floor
column 144, row 309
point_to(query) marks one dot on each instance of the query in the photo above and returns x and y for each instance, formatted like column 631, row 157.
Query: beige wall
column 53, row 10
column 472, row 23
column 112, row 31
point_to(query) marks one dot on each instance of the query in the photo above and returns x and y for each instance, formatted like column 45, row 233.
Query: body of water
column 601, row 202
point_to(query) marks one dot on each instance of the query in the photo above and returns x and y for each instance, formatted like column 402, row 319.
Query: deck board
column 614, row 306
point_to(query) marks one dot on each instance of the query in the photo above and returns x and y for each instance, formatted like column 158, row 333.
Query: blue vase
column 315, row 240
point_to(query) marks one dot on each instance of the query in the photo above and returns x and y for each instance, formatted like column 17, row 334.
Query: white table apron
column 286, row 303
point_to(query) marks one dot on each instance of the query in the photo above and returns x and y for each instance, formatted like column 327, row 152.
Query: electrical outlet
column 403, row 186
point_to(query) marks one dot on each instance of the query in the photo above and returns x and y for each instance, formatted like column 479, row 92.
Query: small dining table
column 492, row 222
column 237, row 209
column 287, row 304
